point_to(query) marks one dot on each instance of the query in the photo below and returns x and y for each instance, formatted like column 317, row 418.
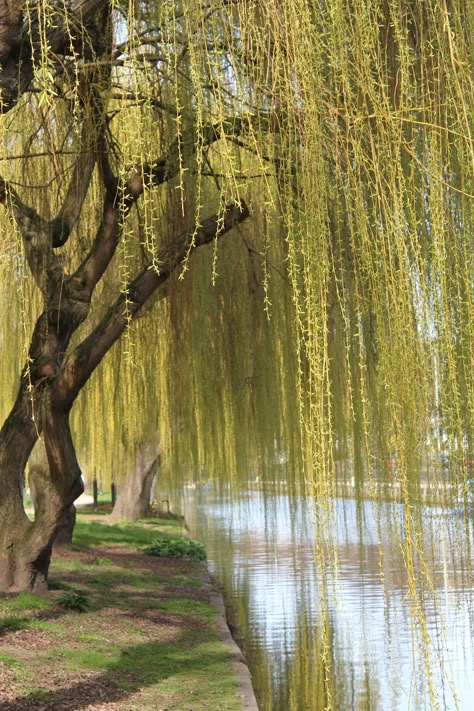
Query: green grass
column 11, row 661
column 13, row 623
column 150, row 663
column 186, row 606
column 149, row 636
column 18, row 668
column 93, row 638
column 10, row 623
column 28, row 601
column 124, row 533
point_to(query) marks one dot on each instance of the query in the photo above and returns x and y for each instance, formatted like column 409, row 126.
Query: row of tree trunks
column 133, row 500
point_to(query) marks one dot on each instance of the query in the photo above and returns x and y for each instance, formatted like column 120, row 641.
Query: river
column 363, row 644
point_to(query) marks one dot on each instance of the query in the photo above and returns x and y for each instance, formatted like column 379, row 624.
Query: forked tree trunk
column 25, row 546
column 49, row 387
column 133, row 499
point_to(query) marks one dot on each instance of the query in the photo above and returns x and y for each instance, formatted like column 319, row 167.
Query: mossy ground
column 148, row 641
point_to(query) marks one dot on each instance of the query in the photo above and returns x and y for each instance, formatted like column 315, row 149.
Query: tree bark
column 65, row 529
column 133, row 499
column 21, row 42
column 38, row 479
column 22, row 564
column 25, row 546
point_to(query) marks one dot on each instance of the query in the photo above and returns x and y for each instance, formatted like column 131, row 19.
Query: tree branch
column 103, row 249
column 86, row 357
column 168, row 166
column 92, row 87
column 36, row 234
column 120, row 197
column 91, row 142
column 10, row 26
column 21, row 40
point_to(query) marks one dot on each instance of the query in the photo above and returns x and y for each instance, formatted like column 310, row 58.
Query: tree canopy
column 324, row 153
column 346, row 128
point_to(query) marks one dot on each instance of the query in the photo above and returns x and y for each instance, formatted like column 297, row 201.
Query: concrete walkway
column 84, row 500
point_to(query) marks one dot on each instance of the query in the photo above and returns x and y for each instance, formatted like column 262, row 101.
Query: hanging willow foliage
column 333, row 330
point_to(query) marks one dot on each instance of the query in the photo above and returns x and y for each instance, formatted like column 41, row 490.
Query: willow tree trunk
column 52, row 380
column 133, row 499
column 25, row 546
column 65, row 530
column 38, row 476
column 21, row 566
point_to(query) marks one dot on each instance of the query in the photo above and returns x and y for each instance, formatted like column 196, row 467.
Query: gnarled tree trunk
column 25, row 546
column 133, row 499
column 49, row 388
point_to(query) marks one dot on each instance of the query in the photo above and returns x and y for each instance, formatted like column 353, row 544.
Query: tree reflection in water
column 360, row 646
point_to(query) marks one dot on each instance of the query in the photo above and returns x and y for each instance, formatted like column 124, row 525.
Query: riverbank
column 120, row 630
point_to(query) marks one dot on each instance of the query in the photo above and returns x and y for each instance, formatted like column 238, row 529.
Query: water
column 368, row 647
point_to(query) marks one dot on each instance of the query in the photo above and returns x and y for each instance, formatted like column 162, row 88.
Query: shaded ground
column 148, row 642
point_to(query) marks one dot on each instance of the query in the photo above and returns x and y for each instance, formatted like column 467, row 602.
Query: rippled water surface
column 371, row 650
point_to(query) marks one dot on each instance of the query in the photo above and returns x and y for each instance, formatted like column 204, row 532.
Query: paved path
column 84, row 500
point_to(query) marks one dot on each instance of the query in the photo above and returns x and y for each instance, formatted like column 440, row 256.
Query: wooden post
column 114, row 493
column 95, row 495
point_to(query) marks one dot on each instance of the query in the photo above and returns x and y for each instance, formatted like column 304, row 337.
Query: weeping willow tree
column 324, row 154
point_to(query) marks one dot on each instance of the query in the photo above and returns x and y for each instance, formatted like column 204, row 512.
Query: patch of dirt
column 25, row 639
column 7, row 678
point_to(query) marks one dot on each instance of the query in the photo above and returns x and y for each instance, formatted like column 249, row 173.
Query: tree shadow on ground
column 151, row 576
column 138, row 667
column 144, row 588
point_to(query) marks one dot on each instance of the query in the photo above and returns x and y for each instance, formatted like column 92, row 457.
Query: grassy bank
column 146, row 639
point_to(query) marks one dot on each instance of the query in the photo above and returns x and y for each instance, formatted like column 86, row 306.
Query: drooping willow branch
column 122, row 194
column 92, row 141
column 21, row 42
column 80, row 364
column 168, row 166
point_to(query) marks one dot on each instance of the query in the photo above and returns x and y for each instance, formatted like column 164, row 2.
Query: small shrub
column 176, row 547
column 71, row 600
